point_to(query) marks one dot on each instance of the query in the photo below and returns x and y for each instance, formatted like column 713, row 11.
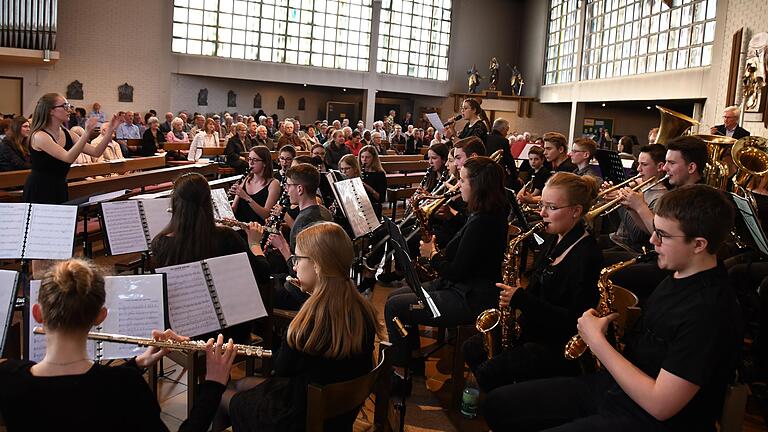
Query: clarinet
column 273, row 223
column 241, row 182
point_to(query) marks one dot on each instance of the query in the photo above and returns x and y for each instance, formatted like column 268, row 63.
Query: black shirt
column 691, row 328
column 378, row 181
column 479, row 129
column 103, row 398
column 233, row 149
column 306, row 217
column 539, row 178
column 566, row 166
column 12, row 160
column 149, row 143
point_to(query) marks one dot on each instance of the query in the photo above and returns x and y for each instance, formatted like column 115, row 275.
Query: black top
column 306, row 217
column 256, row 141
column 233, row 150
column 565, row 166
column 690, row 327
column 378, row 181
column 244, row 212
column 557, row 295
column 104, row 398
column 496, row 141
column 479, row 129
column 149, row 143
column 225, row 241
column 47, row 183
column 471, row 261
column 333, row 155
column 739, row 132
column 539, row 178
column 413, row 145
column 12, row 160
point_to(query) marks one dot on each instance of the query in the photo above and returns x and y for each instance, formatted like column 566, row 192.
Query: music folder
column 37, row 231
column 131, row 225
column 8, row 283
column 357, row 207
column 135, row 306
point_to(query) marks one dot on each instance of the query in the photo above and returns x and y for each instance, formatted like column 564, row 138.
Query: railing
column 28, row 24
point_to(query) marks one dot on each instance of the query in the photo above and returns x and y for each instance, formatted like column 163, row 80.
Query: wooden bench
column 12, row 179
column 395, row 195
column 408, row 166
column 404, row 180
column 276, row 153
column 400, row 158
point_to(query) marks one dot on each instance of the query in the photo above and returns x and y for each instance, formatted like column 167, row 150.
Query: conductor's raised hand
column 152, row 354
column 91, row 124
column 218, row 359
column 505, row 296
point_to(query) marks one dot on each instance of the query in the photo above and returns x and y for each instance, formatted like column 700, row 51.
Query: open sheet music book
column 131, row 225
column 8, row 282
column 357, row 207
column 37, row 231
column 209, row 295
column 135, row 304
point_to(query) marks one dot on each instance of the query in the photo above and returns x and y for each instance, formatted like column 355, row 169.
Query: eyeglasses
column 551, row 207
column 661, row 235
column 730, row 117
column 291, row 184
column 254, row 160
column 293, row 260
column 66, row 105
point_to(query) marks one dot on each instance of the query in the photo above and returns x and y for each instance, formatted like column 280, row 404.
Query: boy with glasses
column 679, row 357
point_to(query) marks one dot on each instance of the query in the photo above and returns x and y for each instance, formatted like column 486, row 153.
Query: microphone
column 453, row 120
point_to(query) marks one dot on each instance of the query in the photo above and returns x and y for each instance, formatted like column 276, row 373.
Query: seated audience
column 14, row 148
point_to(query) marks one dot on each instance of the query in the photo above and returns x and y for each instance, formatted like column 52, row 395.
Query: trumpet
column 608, row 207
column 186, row 346
column 636, row 178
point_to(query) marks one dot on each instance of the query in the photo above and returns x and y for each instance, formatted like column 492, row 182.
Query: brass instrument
column 636, row 178
column 604, row 208
column 716, row 171
column 576, row 346
column 673, row 124
column 750, row 154
column 246, row 350
column 503, row 320
column 423, row 213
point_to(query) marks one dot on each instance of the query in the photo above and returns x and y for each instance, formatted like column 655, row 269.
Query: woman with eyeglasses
column 562, row 286
column 259, row 192
column 52, row 149
column 468, row 267
column 330, row 340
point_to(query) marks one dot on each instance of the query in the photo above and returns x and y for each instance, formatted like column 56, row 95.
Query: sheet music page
column 136, row 307
column 358, row 209
column 221, row 207
column 434, row 118
column 109, row 195
column 157, row 215
column 124, row 228
column 190, row 308
column 236, row 287
column 13, row 223
column 51, row 232
column 36, row 348
column 8, row 281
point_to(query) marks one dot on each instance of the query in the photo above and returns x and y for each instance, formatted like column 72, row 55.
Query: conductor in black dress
column 52, row 149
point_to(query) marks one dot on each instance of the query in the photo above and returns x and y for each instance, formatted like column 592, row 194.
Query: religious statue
column 474, row 79
column 202, row 97
column 493, row 80
column 753, row 80
column 125, row 93
column 516, row 81
column 75, row 90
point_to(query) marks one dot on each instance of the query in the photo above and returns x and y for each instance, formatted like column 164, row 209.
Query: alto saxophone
column 576, row 346
column 503, row 319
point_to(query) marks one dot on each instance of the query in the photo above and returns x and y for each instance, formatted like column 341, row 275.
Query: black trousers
column 522, row 362
column 562, row 405
column 453, row 309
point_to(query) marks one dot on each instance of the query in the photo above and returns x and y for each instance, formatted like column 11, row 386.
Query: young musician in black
column 563, row 284
column 530, row 193
column 468, row 267
column 284, row 159
column 330, row 340
column 679, row 356
column 478, row 123
column 68, row 391
column 556, row 152
column 259, row 192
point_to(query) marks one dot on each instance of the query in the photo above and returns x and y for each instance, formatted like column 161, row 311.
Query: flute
column 242, row 225
column 197, row 345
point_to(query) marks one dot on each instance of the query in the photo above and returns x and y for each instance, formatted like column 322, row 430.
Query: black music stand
column 611, row 167
column 747, row 221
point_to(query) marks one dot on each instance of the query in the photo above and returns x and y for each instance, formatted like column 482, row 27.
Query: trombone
column 608, row 207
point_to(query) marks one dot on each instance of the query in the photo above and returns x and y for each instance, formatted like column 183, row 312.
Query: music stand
column 747, row 219
column 400, row 246
column 610, row 166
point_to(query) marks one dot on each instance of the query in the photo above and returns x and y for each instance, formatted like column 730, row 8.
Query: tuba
column 673, row 124
column 716, row 171
column 750, row 154
column 576, row 346
column 490, row 322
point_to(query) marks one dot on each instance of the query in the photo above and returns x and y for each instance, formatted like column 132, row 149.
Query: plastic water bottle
column 470, row 399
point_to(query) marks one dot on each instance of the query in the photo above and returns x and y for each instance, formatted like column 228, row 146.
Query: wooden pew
column 207, row 151
column 400, row 158
column 404, row 180
column 401, row 187
column 11, row 179
column 409, row 166
column 136, row 180
column 276, row 154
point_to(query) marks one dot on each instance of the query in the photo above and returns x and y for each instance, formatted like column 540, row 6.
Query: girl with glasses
column 563, row 284
column 259, row 192
column 53, row 149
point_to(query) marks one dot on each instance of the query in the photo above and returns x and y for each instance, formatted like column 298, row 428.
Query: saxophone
column 503, row 319
column 576, row 346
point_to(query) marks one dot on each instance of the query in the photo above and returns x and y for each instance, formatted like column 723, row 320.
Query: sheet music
column 13, row 224
column 157, row 215
column 124, row 228
column 136, row 307
column 748, row 216
column 8, row 281
column 221, row 207
column 51, row 232
column 110, row 195
column 190, row 308
column 357, row 207
column 236, row 288
column 434, row 118
column 36, row 347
